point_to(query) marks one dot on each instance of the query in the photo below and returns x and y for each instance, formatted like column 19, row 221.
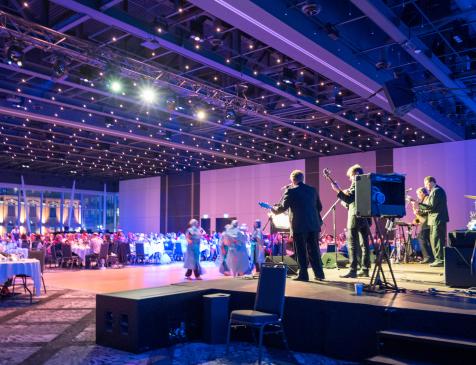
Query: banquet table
column 29, row 267
column 81, row 251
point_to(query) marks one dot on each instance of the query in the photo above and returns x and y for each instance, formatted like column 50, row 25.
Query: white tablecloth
column 81, row 251
column 30, row 267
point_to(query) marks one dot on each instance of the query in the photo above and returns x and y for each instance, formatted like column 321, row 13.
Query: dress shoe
column 350, row 274
column 297, row 278
column 437, row 264
column 363, row 273
column 426, row 261
column 319, row 278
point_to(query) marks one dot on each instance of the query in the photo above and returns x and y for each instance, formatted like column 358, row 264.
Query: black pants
column 438, row 240
column 195, row 271
column 424, row 241
column 358, row 247
column 307, row 247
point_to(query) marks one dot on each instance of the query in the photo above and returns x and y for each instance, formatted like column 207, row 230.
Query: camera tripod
column 378, row 279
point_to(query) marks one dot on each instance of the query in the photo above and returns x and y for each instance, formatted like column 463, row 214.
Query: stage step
column 423, row 347
column 386, row 360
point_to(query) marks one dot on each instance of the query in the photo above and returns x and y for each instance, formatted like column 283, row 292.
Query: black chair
column 140, row 255
column 40, row 256
column 68, row 258
column 267, row 314
column 103, row 255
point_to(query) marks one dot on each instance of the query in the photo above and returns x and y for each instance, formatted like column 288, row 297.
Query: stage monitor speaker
column 400, row 95
column 458, row 267
column 220, row 223
column 462, row 238
column 380, row 195
column 205, row 224
column 292, row 264
column 329, row 260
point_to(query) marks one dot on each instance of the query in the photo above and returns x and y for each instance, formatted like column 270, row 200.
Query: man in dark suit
column 358, row 228
column 437, row 218
column 304, row 206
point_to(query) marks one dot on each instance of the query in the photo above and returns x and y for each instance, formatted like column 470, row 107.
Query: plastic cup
column 359, row 287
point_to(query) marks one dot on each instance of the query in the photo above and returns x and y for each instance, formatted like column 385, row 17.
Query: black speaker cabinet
column 400, row 94
column 329, row 260
column 380, row 195
column 458, row 267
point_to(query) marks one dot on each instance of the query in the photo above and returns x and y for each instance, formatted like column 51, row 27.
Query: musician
column 438, row 217
column 424, row 235
column 304, row 206
column 358, row 228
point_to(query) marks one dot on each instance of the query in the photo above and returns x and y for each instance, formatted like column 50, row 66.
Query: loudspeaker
column 215, row 317
column 329, row 260
column 400, row 95
column 380, row 195
column 220, row 223
column 205, row 224
column 292, row 264
column 462, row 238
column 458, row 267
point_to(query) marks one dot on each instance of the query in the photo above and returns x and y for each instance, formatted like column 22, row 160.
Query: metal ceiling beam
column 18, row 113
column 132, row 26
column 174, row 112
column 384, row 17
column 270, row 23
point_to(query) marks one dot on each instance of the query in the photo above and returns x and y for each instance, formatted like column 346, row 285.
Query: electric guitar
column 280, row 221
column 327, row 174
column 265, row 205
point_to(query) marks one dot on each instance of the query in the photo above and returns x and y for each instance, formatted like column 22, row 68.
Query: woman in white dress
column 257, row 248
column 237, row 257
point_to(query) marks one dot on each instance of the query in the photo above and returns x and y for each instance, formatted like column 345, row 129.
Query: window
column 12, row 211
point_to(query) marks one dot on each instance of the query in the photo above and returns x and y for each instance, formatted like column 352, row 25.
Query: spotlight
column 201, row 115
column 288, row 76
column 230, row 116
column 115, row 86
column 148, row 95
column 15, row 55
column 196, row 28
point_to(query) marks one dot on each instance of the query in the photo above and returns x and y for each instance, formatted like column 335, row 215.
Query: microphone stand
column 333, row 209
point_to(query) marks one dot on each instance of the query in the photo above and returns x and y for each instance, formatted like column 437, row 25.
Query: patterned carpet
column 59, row 329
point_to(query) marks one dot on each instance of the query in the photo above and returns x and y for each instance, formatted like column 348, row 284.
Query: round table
column 81, row 251
column 29, row 267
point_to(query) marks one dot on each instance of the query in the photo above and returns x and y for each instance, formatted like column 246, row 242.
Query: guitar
column 327, row 174
column 280, row 221
column 265, row 205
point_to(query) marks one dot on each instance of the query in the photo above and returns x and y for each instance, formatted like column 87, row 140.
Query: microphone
column 409, row 189
column 286, row 186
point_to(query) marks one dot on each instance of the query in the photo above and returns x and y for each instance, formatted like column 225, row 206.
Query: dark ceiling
column 226, row 95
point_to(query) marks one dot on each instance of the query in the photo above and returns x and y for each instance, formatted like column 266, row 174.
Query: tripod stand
column 378, row 280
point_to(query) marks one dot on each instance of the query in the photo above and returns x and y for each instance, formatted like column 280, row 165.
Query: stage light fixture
column 59, row 66
column 288, row 76
column 230, row 115
column 148, row 94
column 339, row 101
column 15, row 55
column 201, row 114
column 115, row 86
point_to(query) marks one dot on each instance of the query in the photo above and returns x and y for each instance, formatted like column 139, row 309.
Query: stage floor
column 415, row 278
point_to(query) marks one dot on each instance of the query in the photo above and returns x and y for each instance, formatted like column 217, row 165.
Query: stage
column 320, row 317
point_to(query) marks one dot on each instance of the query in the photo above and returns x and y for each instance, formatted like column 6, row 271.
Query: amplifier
column 462, row 238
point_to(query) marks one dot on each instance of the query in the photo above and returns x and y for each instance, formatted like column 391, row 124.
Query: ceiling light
column 115, row 86
column 148, row 94
column 201, row 115
column 15, row 55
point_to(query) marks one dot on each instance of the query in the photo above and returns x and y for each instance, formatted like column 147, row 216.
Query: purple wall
column 452, row 164
column 237, row 191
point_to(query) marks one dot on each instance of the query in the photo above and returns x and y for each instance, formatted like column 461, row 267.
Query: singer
column 304, row 206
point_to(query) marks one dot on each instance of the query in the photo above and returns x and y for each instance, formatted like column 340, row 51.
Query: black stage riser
column 337, row 329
